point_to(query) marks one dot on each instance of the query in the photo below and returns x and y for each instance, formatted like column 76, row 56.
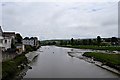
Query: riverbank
column 110, row 48
column 111, row 60
column 13, row 67
column 10, row 68
column 105, row 60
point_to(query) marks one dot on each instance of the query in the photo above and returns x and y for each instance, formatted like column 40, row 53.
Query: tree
column 84, row 42
column 54, row 43
column 13, row 44
column 72, row 41
column 18, row 38
column 98, row 40
column 114, row 40
column 90, row 42
column 61, row 42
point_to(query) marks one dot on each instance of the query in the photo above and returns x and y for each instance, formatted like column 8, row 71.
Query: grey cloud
column 60, row 20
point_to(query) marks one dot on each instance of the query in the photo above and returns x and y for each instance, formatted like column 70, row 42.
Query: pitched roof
column 32, row 38
column 8, row 34
column 26, row 38
column 1, row 30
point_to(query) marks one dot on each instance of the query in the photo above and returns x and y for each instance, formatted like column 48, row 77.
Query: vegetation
column 10, row 68
column 114, row 41
column 110, row 48
column 112, row 60
column 91, row 42
column 98, row 40
column 13, row 44
column 30, row 48
column 72, row 41
column 18, row 38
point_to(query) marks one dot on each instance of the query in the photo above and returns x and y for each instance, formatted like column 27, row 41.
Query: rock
column 30, row 67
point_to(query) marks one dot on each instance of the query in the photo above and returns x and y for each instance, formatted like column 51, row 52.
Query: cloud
column 52, row 20
column 59, row 0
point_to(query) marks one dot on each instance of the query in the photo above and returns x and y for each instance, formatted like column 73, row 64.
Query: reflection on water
column 54, row 62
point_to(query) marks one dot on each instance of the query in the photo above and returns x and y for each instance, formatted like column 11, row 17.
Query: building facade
column 1, row 37
column 8, row 39
column 33, row 41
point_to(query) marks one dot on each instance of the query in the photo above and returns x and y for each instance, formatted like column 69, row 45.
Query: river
column 54, row 62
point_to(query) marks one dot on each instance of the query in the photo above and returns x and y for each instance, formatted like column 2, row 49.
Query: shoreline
column 15, row 66
column 97, row 63
column 108, row 68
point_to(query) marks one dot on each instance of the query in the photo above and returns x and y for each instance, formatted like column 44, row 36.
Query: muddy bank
column 93, row 61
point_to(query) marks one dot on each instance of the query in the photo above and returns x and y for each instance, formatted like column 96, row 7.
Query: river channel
column 54, row 62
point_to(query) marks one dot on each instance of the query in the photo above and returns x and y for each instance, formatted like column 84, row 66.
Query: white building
column 1, row 38
column 8, row 38
column 30, row 41
column 7, row 43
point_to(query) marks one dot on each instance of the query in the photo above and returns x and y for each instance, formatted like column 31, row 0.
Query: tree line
column 95, row 41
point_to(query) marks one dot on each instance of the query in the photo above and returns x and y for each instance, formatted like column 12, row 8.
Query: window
column 6, row 41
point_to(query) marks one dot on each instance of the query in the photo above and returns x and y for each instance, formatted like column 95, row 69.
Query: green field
column 112, row 60
column 110, row 48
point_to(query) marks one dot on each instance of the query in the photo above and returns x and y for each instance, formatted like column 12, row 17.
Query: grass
column 112, row 60
column 110, row 48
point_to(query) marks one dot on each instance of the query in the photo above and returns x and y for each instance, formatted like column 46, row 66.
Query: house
column 9, row 34
column 8, row 39
column 1, row 37
column 33, row 41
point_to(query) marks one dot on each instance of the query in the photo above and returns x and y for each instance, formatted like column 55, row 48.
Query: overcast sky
column 61, row 20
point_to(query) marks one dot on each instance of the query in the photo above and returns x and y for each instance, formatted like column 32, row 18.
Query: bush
column 9, row 68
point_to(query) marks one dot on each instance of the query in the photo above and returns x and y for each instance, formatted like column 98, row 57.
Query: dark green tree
column 72, row 41
column 54, row 43
column 84, row 42
column 13, row 44
column 61, row 42
column 18, row 38
column 98, row 40
column 90, row 42
column 114, row 41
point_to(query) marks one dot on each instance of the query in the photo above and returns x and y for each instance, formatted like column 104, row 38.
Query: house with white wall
column 1, row 37
column 33, row 41
column 8, row 38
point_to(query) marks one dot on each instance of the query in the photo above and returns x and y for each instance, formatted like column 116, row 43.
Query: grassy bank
column 110, row 48
column 10, row 68
column 112, row 60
